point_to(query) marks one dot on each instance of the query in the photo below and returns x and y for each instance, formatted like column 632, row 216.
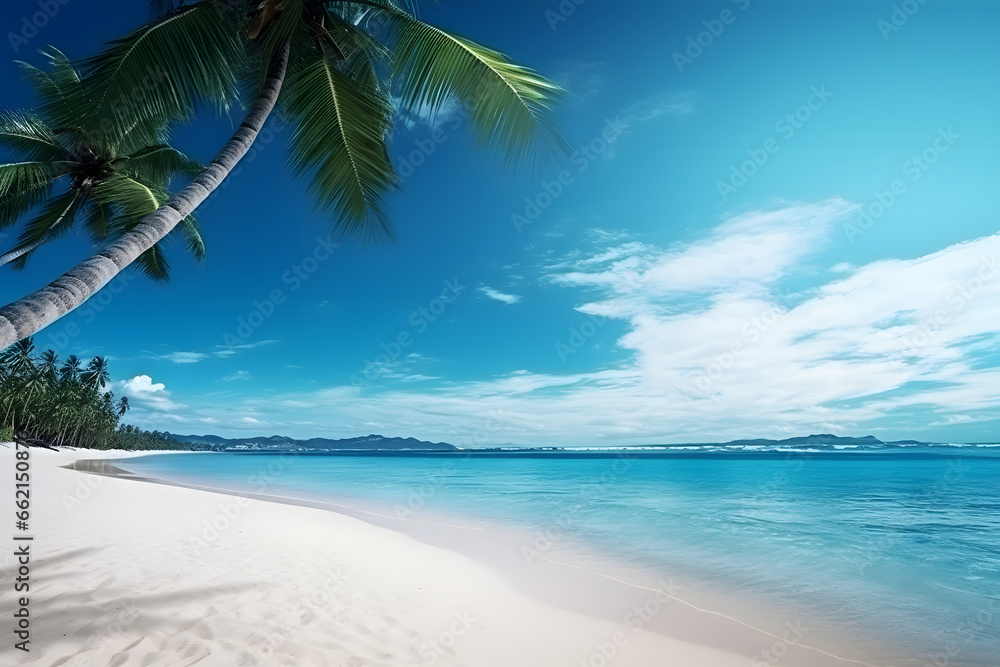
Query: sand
column 127, row 572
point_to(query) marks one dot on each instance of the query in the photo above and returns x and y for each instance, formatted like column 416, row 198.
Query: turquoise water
column 902, row 545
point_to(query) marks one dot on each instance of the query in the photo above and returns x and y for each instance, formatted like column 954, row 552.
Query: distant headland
column 413, row 446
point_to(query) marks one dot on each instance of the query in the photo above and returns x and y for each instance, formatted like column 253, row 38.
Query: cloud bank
column 719, row 346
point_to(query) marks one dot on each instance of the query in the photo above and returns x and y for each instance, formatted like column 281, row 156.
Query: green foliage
column 130, row 438
column 53, row 220
column 27, row 134
column 163, row 70
column 507, row 102
column 349, row 62
column 149, row 164
column 97, row 143
column 43, row 402
column 23, row 177
column 74, row 168
column 61, row 95
column 339, row 136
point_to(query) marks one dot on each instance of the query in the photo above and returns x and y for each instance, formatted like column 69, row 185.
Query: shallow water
column 901, row 545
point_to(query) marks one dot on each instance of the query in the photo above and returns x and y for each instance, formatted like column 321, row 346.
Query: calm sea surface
column 901, row 544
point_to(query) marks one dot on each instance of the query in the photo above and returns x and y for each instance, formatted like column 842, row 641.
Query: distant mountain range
column 820, row 439
column 383, row 444
column 284, row 443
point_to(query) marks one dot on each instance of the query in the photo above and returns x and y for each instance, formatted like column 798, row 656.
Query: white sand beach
column 126, row 572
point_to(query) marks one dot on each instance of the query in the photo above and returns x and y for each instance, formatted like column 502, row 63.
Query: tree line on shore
column 94, row 153
column 46, row 401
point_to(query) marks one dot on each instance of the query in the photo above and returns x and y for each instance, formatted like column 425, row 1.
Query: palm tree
column 70, row 371
column 48, row 409
column 18, row 365
column 107, row 182
column 96, row 374
column 47, row 364
column 332, row 68
column 17, row 358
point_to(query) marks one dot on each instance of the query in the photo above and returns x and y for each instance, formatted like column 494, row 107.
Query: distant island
column 411, row 446
column 281, row 443
column 822, row 439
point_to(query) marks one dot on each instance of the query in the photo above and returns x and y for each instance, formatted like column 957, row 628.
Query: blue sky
column 780, row 220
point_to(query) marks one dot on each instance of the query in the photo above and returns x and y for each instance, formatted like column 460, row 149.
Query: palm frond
column 284, row 27
column 21, row 177
column 54, row 220
column 129, row 202
column 193, row 239
column 508, row 104
column 14, row 206
column 28, row 136
column 153, row 264
column 160, row 8
column 96, row 217
column 339, row 138
column 163, row 70
column 364, row 58
column 61, row 93
column 157, row 164
column 267, row 16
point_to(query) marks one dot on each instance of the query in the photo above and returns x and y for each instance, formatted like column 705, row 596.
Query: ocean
column 898, row 546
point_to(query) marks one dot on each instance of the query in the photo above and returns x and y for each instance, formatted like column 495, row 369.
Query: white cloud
column 581, row 79
column 418, row 378
column 238, row 375
column 448, row 113
column 185, row 357
column 142, row 392
column 664, row 103
column 298, row 404
column 497, row 295
column 714, row 351
column 142, row 384
column 221, row 351
column 226, row 351
column 752, row 249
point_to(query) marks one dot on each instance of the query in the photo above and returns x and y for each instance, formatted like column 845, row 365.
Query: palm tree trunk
column 25, row 249
column 26, row 316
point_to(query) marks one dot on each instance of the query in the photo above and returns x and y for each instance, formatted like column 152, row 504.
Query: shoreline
column 612, row 617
